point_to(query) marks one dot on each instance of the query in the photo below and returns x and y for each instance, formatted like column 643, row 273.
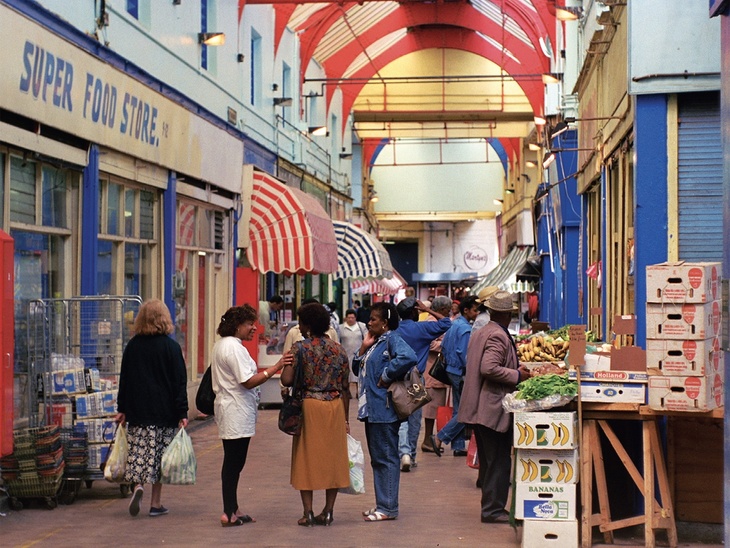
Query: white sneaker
column 405, row 463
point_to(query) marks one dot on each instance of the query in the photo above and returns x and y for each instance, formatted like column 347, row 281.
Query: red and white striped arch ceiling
column 353, row 41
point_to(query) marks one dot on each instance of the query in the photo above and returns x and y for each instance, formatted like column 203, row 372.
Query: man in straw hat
column 483, row 317
column 492, row 370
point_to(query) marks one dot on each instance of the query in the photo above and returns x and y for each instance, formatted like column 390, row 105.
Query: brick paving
column 439, row 506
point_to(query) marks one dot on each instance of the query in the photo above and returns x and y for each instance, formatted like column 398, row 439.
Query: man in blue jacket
column 418, row 335
column 453, row 348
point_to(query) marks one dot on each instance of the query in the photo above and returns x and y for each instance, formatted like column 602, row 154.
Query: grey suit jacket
column 491, row 372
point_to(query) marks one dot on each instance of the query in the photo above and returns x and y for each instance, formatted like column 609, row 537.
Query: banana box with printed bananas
column 540, row 466
column 545, row 430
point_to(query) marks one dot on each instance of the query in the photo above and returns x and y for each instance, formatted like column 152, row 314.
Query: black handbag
column 438, row 370
column 205, row 397
column 290, row 414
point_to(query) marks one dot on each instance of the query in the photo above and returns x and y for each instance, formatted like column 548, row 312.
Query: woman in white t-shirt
column 235, row 382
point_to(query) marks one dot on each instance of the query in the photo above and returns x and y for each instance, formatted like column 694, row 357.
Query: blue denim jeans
column 408, row 434
column 453, row 431
column 382, row 441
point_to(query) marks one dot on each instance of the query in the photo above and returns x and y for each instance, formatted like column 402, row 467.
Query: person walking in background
column 383, row 357
column 418, row 335
column 236, row 379
column 295, row 333
column 319, row 453
column 362, row 313
column 483, row 317
column 454, row 348
column 334, row 317
column 352, row 334
column 454, row 310
column 437, row 390
column 152, row 399
column 275, row 303
column 492, row 371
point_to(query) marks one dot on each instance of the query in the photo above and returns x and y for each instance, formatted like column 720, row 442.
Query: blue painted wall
column 650, row 196
column 90, row 223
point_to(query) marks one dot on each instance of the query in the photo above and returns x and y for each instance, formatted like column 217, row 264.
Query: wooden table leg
column 649, row 503
column 665, row 518
column 586, row 485
column 602, row 487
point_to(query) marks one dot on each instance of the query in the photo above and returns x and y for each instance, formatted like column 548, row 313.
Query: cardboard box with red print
column 683, row 321
column 686, row 393
column 683, row 358
column 683, row 282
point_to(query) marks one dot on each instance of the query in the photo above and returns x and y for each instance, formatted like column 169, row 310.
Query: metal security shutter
column 700, row 177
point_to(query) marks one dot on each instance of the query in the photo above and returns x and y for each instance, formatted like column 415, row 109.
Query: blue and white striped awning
column 359, row 254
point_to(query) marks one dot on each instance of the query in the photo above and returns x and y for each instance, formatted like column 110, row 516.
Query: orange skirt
column 319, row 454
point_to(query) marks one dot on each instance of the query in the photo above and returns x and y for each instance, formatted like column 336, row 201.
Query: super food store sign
column 48, row 79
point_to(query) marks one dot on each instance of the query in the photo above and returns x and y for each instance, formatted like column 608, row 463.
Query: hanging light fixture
column 212, row 38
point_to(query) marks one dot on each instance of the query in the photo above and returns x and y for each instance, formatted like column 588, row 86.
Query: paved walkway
column 439, row 506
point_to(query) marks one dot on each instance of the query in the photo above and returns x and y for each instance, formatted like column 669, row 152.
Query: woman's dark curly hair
column 387, row 312
column 235, row 316
column 315, row 317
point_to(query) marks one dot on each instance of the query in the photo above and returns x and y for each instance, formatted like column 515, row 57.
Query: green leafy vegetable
column 542, row 386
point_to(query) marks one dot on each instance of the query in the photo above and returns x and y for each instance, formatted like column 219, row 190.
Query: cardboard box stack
column 547, row 474
column 683, row 326
column 617, row 375
column 83, row 401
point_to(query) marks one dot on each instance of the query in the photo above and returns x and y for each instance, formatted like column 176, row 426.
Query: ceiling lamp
column 551, row 78
column 212, row 38
column 548, row 159
column 530, row 163
column 568, row 13
column 533, row 147
column 282, row 101
column 540, row 121
column 319, row 131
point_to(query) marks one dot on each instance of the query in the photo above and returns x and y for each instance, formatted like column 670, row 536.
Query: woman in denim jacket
column 382, row 358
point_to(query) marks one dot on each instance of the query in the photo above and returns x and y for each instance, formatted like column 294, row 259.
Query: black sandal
column 307, row 520
column 325, row 518
column 240, row 520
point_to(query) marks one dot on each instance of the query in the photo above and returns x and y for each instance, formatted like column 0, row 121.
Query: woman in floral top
column 319, row 453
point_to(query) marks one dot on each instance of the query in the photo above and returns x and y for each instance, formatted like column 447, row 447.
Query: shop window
column 146, row 215
column 53, row 201
column 22, row 191
column 128, row 252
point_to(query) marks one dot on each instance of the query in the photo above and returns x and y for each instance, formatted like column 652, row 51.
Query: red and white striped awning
column 385, row 286
column 290, row 231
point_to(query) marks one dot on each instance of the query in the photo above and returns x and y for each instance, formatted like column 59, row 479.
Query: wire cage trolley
column 75, row 351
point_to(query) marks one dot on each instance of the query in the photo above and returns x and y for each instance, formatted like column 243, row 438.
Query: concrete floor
column 439, row 506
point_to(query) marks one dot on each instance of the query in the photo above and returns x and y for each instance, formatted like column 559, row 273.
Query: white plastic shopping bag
column 178, row 461
column 357, row 467
column 116, row 462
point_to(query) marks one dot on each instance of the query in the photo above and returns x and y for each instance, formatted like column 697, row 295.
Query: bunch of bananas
column 543, row 349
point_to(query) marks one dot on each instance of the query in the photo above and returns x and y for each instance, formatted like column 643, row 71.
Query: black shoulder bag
column 290, row 414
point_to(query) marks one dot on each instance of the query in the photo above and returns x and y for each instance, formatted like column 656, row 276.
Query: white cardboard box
column 683, row 321
column 98, row 430
column 683, row 282
column 541, row 533
column 549, row 501
column 613, row 392
column 546, row 430
column 683, row 358
column 543, row 466
column 609, row 376
column 686, row 393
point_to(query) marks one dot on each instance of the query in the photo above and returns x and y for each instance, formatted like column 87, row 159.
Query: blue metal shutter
column 700, row 177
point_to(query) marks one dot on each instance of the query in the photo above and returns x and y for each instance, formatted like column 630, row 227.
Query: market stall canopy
column 290, row 231
column 505, row 273
column 360, row 254
column 386, row 286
